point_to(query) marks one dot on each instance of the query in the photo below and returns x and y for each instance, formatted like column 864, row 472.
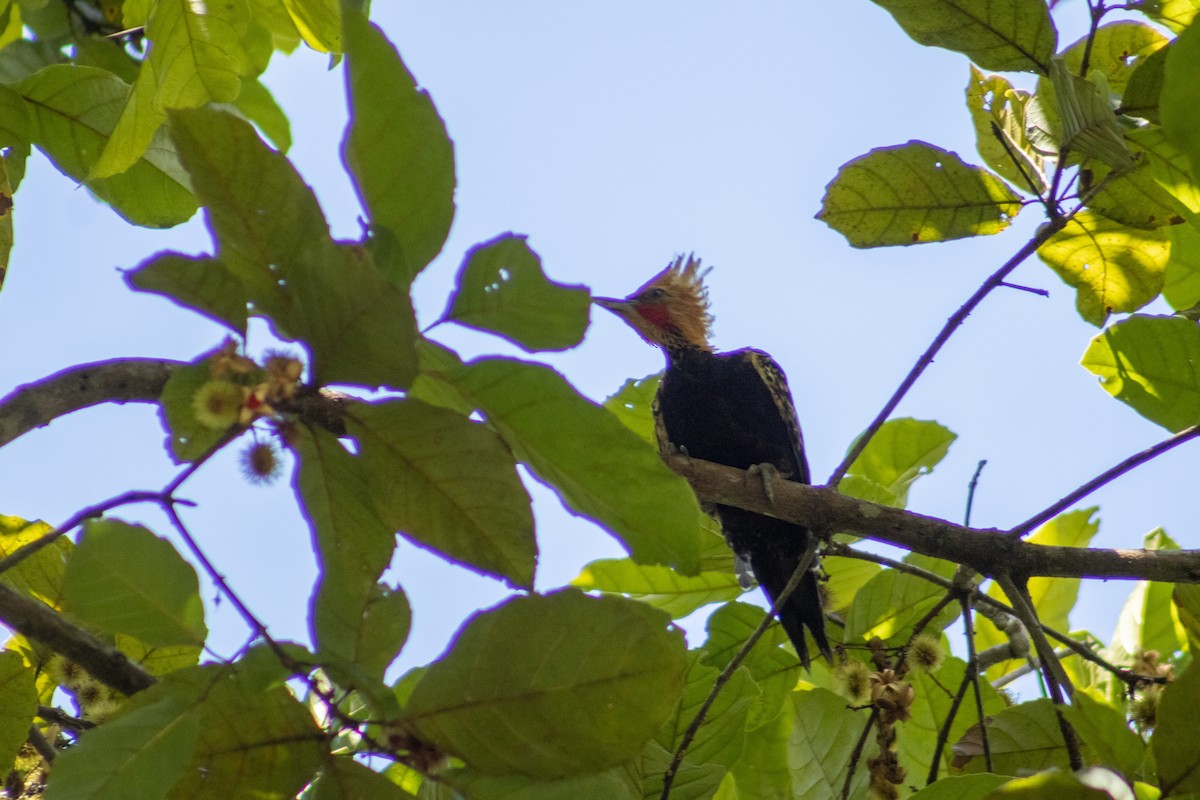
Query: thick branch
column 988, row 551
column 127, row 380
column 104, row 662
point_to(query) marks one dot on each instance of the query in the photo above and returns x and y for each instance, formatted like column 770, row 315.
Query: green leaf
column 718, row 740
column 693, row 781
column 1021, row 738
column 762, row 772
column 256, row 739
column 772, row 667
column 998, row 113
column 449, row 484
column 901, row 451
column 319, row 22
column 502, row 289
column 40, row 575
column 824, row 734
column 1113, row 268
column 576, row 683
column 1173, row 14
column 140, row 754
column 633, row 405
column 891, row 603
column 18, row 704
column 1147, row 620
column 1170, row 169
column 1181, row 283
column 1177, row 106
column 366, row 632
column 915, row 193
column 846, row 577
column 15, row 134
column 658, row 587
column 157, row 660
column 256, row 103
column 1088, row 125
column 187, row 438
column 74, row 111
column 1095, row 783
column 1104, row 730
column 1132, row 197
column 611, row 784
column 122, row 578
column 1116, row 51
column 598, row 467
column 199, row 283
column 396, row 148
column 1144, row 88
column 961, row 787
column 343, row 778
column 272, row 236
column 1003, row 35
column 1153, row 365
column 934, row 697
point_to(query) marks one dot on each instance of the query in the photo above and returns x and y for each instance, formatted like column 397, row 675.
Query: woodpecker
column 731, row 408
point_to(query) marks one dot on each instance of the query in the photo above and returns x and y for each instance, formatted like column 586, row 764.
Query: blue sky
column 617, row 136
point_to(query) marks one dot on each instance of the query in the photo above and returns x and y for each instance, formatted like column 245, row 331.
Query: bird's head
column 671, row 309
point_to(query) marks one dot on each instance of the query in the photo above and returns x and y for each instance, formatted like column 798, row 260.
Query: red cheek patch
column 658, row 316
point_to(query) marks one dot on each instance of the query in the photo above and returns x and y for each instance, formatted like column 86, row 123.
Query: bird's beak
column 619, row 307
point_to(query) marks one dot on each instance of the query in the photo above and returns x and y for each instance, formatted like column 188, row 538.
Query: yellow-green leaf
column 1179, row 101
column 199, row 283
column 576, row 683
column 915, row 193
column 319, row 22
column 1181, row 284
column 901, row 451
column 1117, row 50
column 1174, row 744
column 40, row 575
column 449, row 484
column 18, row 704
column 1173, row 14
column 1002, row 35
column 998, row 113
column 1114, row 268
column 502, row 289
column 659, row 587
column 74, row 112
column 1152, row 364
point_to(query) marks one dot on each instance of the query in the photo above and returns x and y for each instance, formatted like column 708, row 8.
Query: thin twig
column 1026, row 669
column 689, row 734
column 857, row 754
column 930, row 616
column 63, row 719
column 1051, row 227
column 1107, row 476
column 1016, row 162
column 40, row 743
column 1056, row 677
column 944, row 732
column 971, row 490
column 1023, row 288
column 973, row 671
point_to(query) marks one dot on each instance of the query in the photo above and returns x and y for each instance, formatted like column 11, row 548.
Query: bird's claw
column 768, row 473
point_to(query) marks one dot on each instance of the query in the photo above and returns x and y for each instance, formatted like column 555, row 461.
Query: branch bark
column 987, row 550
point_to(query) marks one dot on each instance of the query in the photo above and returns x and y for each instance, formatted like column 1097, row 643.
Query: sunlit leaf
column 599, row 468
column 915, row 193
column 319, row 22
column 846, row 577
column 1147, row 620
column 901, row 451
column 1181, row 283
column 1173, row 14
column 40, row 575
column 659, row 587
column 577, row 684
column 1113, row 268
column 15, row 134
column 196, row 282
column 396, row 148
column 1088, row 125
column 122, row 578
column 447, row 483
column 891, row 603
column 74, row 111
column 1144, row 88
column 1177, row 106
column 1153, row 365
column 1116, row 50
column 1002, row 35
column 998, row 113
column 502, row 289
column 633, row 405
column 1054, row 784
column 18, row 704
column 1132, row 197
column 1170, row 169
column 961, row 787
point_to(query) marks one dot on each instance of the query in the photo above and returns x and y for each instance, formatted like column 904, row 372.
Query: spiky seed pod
column 852, row 680
column 925, row 654
column 261, row 463
column 217, row 404
column 1143, row 710
column 66, row 672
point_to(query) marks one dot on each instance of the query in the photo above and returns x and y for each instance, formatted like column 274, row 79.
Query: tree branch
column 126, row 380
column 988, row 551
column 38, row 621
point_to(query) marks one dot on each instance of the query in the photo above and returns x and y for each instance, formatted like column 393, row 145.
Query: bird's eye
column 654, row 294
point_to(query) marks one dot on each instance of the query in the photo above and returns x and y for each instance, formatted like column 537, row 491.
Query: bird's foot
column 768, row 473
column 677, row 450
column 744, row 572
